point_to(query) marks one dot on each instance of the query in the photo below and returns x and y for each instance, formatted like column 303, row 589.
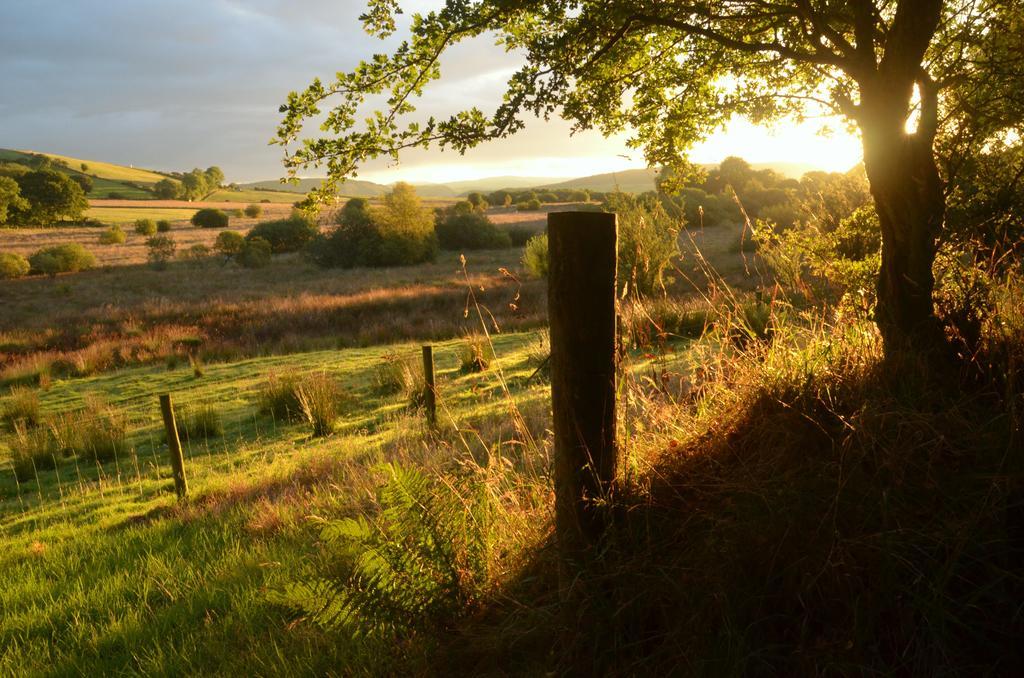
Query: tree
column 160, row 249
column 194, row 185
column 668, row 72
column 477, row 200
column 167, row 189
column 214, row 177
column 10, row 198
column 84, row 181
column 51, row 195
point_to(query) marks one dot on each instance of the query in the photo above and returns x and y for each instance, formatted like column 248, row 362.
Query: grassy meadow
column 329, row 530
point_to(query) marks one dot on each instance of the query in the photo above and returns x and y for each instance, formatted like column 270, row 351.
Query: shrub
column 279, row 399
column 315, row 399
column 98, row 432
column 520, row 235
column 210, row 218
column 68, row 258
column 400, row 233
column 163, row 226
column 229, row 243
column 533, row 205
column 320, row 399
column 160, row 250
column 476, row 354
column 145, row 227
column 255, row 253
column 535, row 256
column 21, row 409
column 33, row 450
column 648, row 243
column 196, row 253
column 406, row 229
column 13, row 266
column 395, row 374
column 253, row 211
column 472, row 231
column 114, row 235
column 286, row 235
column 355, row 241
column 198, row 422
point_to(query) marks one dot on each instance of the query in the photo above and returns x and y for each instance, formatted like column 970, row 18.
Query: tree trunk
column 910, row 202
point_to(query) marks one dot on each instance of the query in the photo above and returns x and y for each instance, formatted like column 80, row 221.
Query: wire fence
column 118, row 446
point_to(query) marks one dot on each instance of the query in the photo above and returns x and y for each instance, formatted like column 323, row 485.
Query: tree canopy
column 671, row 73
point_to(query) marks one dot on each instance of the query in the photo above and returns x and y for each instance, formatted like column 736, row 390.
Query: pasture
column 137, row 582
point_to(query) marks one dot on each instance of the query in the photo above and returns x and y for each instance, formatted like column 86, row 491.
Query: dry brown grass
column 25, row 241
column 98, row 320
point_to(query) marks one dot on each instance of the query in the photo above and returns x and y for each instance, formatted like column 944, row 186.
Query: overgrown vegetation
column 398, row 233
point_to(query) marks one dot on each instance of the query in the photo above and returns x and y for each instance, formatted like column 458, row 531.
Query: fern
column 420, row 563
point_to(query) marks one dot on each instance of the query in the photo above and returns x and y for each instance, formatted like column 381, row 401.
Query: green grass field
column 250, row 197
column 103, row 575
column 127, row 215
column 108, row 178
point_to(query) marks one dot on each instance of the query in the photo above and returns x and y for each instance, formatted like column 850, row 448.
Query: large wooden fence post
column 581, row 311
column 429, row 392
column 174, row 445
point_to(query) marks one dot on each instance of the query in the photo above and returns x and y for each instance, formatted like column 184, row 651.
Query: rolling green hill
column 109, row 180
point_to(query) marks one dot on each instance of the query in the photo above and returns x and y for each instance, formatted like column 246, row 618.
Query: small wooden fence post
column 581, row 312
column 174, row 445
column 429, row 392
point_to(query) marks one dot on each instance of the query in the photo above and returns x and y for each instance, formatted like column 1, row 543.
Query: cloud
column 199, row 82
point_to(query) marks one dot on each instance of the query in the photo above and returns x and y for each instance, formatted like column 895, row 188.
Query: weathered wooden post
column 174, row 445
column 581, row 311
column 429, row 394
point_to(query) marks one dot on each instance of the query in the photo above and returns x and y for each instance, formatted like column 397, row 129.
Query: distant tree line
column 194, row 185
column 40, row 196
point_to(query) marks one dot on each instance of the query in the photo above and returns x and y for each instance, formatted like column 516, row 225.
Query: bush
column 13, row 266
column 320, row 399
column 520, row 235
column 163, row 226
column 113, row 236
column 286, row 235
column 198, row 422
column 253, row 211
column 255, row 253
column 196, row 253
column 229, row 243
column 160, row 250
column 476, row 354
column 355, row 241
column 398, row 375
column 472, row 231
column 145, row 227
column 535, row 256
column 400, row 233
column 33, row 450
column 533, row 205
column 69, row 258
column 315, row 399
column 648, row 243
column 21, row 409
column 210, row 218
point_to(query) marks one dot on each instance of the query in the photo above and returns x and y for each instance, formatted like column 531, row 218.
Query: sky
column 194, row 83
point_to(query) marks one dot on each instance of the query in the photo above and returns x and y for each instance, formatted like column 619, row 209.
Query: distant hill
column 490, row 184
column 353, row 188
column 108, row 178
column 627, row 181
